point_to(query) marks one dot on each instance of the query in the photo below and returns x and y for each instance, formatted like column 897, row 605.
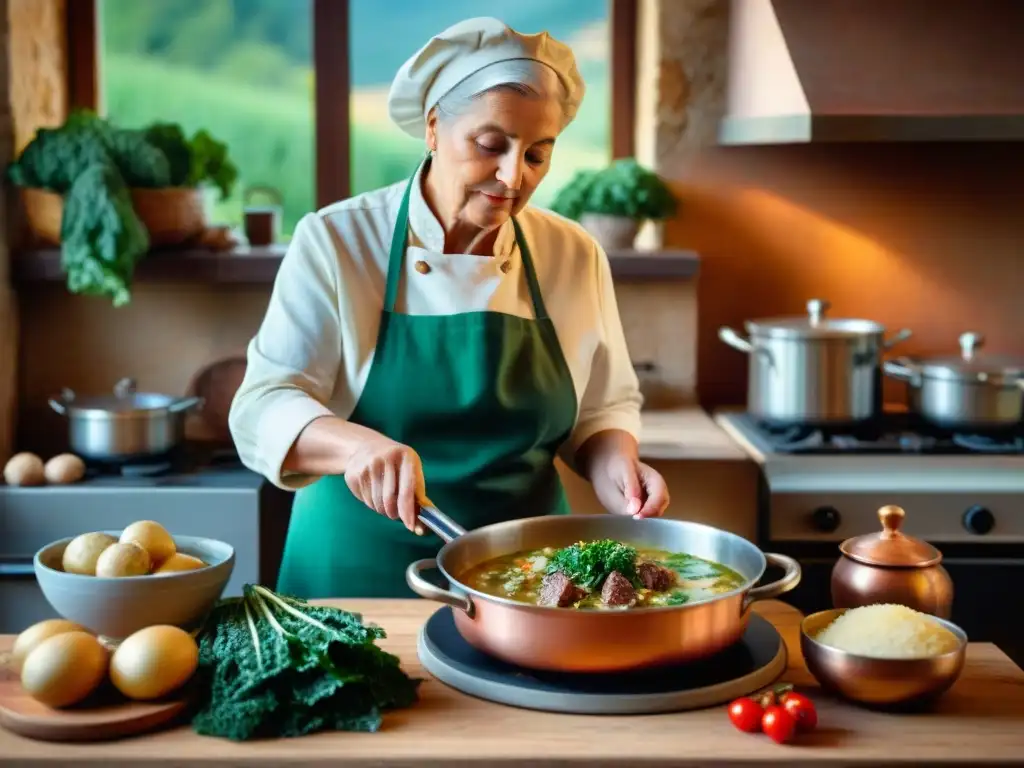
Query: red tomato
column 778, row 724
column 745, row 714
column 802, row 709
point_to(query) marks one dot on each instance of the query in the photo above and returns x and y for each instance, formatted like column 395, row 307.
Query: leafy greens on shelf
column 93, row 165
column 274, row 666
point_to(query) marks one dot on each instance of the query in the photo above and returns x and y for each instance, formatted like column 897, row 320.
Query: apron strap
column 396, row 256
column 397, row 253
column 539, row 310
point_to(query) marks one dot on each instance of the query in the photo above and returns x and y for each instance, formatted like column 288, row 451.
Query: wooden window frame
column 331, row 72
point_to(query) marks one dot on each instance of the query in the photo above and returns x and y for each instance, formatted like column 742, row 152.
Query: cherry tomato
column 778, row 724
column 745, row 714
column 802, row 709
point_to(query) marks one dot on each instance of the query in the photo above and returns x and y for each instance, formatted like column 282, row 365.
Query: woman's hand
column 623, row 484
column 388, row 478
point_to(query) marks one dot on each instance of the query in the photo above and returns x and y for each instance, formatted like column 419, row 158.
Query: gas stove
column 962, row 493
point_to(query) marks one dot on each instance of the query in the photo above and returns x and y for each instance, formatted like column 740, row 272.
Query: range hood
column 804, row 71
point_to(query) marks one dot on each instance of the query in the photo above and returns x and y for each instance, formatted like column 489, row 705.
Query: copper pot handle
column 788, row 581
column 425, row 589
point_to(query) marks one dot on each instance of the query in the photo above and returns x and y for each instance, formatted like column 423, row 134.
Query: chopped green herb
column 589, row 563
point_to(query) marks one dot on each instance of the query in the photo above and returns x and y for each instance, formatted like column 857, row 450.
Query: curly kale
column 102, row 236
column 272, row 666
column 94, row 165
column 588, row 563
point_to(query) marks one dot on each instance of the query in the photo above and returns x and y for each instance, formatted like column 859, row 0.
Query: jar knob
column 891, row 518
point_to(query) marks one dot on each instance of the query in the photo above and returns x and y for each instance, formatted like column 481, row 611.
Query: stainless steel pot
column 813, row 370
column 968, row 393
column 573, row 640
column 126, row 425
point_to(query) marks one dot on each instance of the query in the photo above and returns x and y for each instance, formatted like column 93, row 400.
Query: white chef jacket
column 312, row 353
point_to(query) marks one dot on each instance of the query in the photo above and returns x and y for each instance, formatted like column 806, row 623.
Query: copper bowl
column 879, row 682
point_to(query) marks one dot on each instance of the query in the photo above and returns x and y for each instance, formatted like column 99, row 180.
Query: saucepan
column 126, row 425
column 594, row 640
column 970, row 393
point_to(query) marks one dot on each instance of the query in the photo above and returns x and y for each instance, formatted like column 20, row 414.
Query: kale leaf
column 588, row 564
column 692, row 568
column 103, row 238
column 272, row 666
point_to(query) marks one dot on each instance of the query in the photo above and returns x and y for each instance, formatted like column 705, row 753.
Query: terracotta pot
column 613, row 233
column 172, row 216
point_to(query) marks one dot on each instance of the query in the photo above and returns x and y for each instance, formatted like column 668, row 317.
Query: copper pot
column 891, row 567
column 571, row 640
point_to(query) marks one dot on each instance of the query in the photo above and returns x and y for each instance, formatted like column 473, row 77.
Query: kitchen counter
column 980, row 721
column 686, row 433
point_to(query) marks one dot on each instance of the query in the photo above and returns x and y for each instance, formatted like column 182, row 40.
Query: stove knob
column 979, row 520
column 826, row 519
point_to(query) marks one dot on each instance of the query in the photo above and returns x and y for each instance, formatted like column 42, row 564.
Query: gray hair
column 523, row 76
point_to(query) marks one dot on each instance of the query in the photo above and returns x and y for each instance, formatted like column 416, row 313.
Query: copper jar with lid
column 891, row 567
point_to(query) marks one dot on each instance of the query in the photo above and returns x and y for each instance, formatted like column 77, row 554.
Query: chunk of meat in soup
column 655, row 577
column 557, row 589
column 617, row 590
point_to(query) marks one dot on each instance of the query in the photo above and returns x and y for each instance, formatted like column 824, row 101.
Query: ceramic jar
column 891, row 567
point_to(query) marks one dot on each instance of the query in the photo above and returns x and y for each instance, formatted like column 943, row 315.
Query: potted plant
column 612, row 203
column 106, row 195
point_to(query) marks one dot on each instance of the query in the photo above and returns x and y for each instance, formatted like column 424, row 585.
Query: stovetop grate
column 894, row 434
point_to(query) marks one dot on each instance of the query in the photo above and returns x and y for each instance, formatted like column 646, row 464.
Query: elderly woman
column 439, row 341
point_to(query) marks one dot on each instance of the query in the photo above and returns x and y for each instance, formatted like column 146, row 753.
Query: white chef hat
column 464, row 49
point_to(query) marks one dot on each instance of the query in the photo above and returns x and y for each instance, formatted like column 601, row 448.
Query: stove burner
column 894, row 434
column 141, row 467
column 146, row 470
column 985, row 444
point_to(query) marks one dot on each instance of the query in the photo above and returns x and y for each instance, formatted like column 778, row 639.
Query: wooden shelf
column 256, row 266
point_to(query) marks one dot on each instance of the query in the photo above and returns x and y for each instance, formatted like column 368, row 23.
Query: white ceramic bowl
column 117, row 607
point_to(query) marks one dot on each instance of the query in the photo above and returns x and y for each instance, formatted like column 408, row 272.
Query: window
column 306, row 116
column 242, row 69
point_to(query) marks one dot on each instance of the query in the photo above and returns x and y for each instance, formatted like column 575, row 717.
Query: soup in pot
column 603, row 574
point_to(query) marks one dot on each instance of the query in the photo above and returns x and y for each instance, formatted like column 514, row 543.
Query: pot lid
column 993, row 369
column 813, row 325
column 891, row 547
column 124, row 399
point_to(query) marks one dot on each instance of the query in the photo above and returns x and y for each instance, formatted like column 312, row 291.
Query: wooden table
column 980, row 721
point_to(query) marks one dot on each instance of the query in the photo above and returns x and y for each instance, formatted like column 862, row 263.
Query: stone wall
column 8, row 312
column 34, row 85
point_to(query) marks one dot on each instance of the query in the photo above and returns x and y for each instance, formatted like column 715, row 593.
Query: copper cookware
column 891, row 567
column 572, row 640
column 874, row 681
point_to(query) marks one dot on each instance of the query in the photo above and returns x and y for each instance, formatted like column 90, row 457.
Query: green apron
column 484, row 398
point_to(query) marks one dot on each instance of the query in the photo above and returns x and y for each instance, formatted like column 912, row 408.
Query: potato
column 36, row 634
column 152, row 537
column 179, row 562
column 81, row 554
column 64, row 669
column 125, row 558
column 64, row 468
column 154, row 662
column 24, row 469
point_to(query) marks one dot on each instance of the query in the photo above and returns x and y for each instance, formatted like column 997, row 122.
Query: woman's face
column 488, row 161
